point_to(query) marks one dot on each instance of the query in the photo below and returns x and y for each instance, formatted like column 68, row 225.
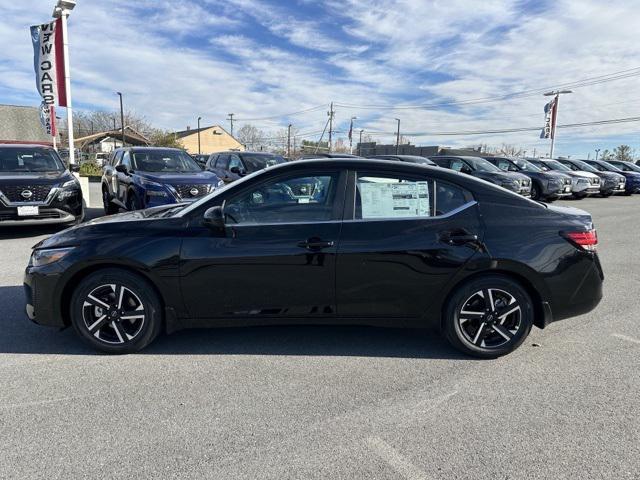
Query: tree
column 163, row 138
column 250, row 136
column 510, row 150
column 606, row 155
column 622, row 153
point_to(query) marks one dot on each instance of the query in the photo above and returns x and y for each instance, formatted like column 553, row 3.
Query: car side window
column 505, row 165
column 126, row 160
column 235, row 161
column 570, row 165
column 460, row 166
column 117, row 158
column 211, row 161
column 405, row 197
column 290, row 199
column 222, row 161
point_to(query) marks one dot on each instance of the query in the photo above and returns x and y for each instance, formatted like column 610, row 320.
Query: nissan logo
column 194, row 191
column 26, row 194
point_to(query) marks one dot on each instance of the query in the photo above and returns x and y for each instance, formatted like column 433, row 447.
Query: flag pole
column 62, row 10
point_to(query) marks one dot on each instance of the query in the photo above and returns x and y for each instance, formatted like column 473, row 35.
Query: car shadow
column 30, row 231
column 20, row 336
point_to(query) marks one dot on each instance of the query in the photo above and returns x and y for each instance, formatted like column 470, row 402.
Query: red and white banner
column 48, row 62
column 48, row 119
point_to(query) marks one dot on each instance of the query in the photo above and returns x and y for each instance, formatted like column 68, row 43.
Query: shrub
column 90, row 169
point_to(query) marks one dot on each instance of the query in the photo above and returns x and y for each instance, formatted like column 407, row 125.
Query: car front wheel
column 116, row 311
column 488, row 317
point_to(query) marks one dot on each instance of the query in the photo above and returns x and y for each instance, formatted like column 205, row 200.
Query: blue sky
column 175, row 61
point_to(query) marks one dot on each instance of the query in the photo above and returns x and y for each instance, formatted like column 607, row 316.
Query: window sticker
column 395, row 200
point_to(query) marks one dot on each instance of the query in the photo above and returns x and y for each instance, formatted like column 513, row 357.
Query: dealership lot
column 329, row 402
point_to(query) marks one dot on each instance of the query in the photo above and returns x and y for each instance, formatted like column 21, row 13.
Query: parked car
column 201, row 159
column 610, row 182
column 36, row 188
column 632, row 179
column 380, row 243
column 143, row 177
column 405, row 158
column 625, row 165
column 101, row 158
column 231, row 166
column 583, row 184
column 545, row 185
column 481, row 168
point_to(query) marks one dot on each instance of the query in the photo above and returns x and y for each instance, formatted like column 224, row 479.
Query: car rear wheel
column 535, row 192
column 116, row 311
column 488, row 316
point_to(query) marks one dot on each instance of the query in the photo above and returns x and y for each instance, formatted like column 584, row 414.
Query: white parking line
column 395, row 459
column 624, row 337
column 38, row 402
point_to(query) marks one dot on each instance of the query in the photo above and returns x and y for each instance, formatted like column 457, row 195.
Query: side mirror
column 122, row 169
column 237, row 170
column 466, row 170
column 214, row 217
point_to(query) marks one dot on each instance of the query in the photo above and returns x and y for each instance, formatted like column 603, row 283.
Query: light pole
column 289, row 141
column 398, row 137
column 597, row 152
column 199, row 152
column 62, row 10
column 554, row 115
column 351, row 135
column 230, row 118
column 121, row 118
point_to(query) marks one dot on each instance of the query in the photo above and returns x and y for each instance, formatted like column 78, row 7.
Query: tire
column 606, row 195
column 133, row 203
column 109, row 207
column 577, row 196
column 535, row 192
column 486, row 334
column 98, row 321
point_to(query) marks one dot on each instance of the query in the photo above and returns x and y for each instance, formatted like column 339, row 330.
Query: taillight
column 586, row 240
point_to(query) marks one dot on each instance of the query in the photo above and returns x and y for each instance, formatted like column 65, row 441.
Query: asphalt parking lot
column 329, row 402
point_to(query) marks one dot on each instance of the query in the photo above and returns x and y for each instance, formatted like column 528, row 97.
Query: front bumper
column 55, row 210
column 42, row 296
column 46, row 216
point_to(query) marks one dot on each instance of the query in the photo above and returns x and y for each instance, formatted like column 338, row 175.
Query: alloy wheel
column 113, row 313
column 490, row 318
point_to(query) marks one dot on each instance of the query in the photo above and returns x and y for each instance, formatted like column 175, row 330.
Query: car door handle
column 315, row 244
column 458, row 237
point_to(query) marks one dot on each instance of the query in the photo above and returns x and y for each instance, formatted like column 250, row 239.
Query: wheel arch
column 527, row 284
column 77, row 277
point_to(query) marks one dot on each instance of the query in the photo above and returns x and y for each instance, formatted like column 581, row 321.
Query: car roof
column 461, row 157
column 25, row 145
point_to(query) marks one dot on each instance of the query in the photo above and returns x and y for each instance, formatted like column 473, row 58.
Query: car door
column 276, row 255
column 221, row 167
column 110, row 174
column 401, row 243
column 123, row 180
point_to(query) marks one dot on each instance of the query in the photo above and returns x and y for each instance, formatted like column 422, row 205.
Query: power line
column 290, row 114
column 633, row 72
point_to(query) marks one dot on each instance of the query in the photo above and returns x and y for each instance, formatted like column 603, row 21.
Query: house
column 212, row 139
column 21, row 124
column 111, row 139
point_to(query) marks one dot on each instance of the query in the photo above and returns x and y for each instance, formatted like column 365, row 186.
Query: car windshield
column 169, row 161
column 258, row 162
column 627, row 166
column 526, row 165
column 555, row 165
column 610, row 168
column 584, row 166
column 24, row 159
column 482, row 165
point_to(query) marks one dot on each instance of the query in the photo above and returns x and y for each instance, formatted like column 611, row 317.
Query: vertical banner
column 549, row 119
column 48, row 62
column 48, row 119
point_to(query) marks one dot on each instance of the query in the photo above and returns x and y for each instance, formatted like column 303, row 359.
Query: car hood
column 500, row 176
column 180, row 178
column 39, row 178
column 631, row 175
column 580, row 174
column 117, row 225
column 611, row 176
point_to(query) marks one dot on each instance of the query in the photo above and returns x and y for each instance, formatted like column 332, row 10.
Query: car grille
column 13, row 215
column 185, row 190
column 38, row 192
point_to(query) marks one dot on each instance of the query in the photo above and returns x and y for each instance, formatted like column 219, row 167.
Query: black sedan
column 545, row 185
column 375, row 243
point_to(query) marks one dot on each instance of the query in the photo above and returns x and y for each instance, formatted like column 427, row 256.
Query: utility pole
column 199, row 150
column 597, row 152
column 331, row 113
column 289, row 141
column 230, row 118
column 114, row 131
column 398, row 137
column 554, row 115
column 121, row 118
column 351, row 135
column 360, row 144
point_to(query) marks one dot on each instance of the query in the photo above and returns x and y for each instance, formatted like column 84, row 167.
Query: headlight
column 48, row 255
column 71, row 184
column 219, row 184
column 149, row 183
column 154, row 189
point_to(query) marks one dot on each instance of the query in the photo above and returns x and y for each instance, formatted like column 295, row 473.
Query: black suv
column 545, row 185
column 481, row 168
column 36, row 188
column 230, row 166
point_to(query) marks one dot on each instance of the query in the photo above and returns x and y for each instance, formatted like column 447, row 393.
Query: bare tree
column 250, row 136
column 623, row 153
column 510, row 150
